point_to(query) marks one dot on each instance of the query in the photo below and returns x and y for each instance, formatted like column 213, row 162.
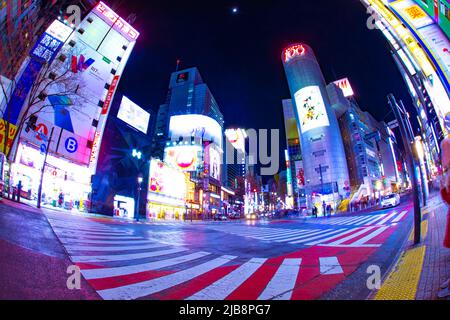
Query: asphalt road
column 323, row 258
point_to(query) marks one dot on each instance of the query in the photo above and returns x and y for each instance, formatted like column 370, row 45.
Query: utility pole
column 408, row 142
column 43, row 170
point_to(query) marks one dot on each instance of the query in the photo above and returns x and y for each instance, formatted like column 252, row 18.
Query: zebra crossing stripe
column 106, row 241
column 222, row 288
column 399, row 217
column 386, row 219
column 370, row 236
column 125, row 257
column 366, row 221
column 71, row 248
column 379, row 217
column 343, row 232
column 348, row 220
column 82, row 226
column 72, row 237
column 352, row 236
column 137, row 290
column 325, row 234
column 82, row 231
column 131, row 269
column 283, row 282
column 292, row 235
column 90, row 234
column 330, row 266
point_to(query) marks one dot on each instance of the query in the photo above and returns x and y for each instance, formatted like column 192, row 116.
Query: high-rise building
column 85, row 64
column 325, row 165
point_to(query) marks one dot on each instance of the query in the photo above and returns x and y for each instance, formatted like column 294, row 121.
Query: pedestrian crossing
column 120, row 265
column 344, row 237
column 366, row 220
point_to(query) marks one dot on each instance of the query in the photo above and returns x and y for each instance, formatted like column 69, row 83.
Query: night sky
column 239, row 55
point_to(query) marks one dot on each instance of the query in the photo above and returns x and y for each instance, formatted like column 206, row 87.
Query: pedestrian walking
column 19, row 190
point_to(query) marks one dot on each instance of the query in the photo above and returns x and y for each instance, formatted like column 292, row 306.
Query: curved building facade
column 324, row 159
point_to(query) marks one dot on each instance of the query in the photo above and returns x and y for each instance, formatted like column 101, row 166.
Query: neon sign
column 294, row 51
column 114, row 18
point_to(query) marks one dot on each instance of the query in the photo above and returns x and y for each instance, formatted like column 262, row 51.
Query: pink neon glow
column 294, row 51
column 118, row 21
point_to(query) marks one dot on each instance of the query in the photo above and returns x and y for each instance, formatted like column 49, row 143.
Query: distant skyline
column 239, row 54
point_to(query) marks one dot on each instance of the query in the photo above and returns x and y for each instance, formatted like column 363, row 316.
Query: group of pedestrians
column 327, row 209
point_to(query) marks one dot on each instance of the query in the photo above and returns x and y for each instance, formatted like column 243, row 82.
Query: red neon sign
column 110, row 95
column 114, row 18
column 294, row 51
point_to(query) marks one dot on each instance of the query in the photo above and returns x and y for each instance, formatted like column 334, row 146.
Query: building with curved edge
column 324, row 159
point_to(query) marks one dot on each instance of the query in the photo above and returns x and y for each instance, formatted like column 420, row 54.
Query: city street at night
column 224, row 159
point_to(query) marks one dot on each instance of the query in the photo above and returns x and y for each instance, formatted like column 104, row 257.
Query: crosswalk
column 121, row 265
column 345, row 237
column 366, row 220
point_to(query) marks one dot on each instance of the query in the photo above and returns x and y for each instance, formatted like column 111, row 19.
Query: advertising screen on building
column 214, row 163
column 345, row 86
column 166, row 181
column 195, row 125
column 184, row 158
column 133, row 115
column 237, row 138
column 311, row 109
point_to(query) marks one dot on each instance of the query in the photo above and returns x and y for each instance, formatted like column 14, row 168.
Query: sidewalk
column 420, row 270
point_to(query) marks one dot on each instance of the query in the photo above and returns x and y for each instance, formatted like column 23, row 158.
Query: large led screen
column 166, row 181
column 185, row 158
column 195, row 125
column 133, row 115
column 311, row 109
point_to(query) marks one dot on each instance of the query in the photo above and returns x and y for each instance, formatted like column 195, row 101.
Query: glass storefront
column 66, row 185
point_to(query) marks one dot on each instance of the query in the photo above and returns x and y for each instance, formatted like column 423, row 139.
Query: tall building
column 294, row 159
column 189, row 137
column 323, row 153
column 85, row 65
column 123, row 157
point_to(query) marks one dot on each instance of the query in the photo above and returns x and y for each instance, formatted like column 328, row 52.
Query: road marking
column 137, row 290
column 131, row 269
column 330, row 266
column 343, row 232
column 71, row 248
column 61, row 230
column 387, row 218
column 222, row 288
column 325, row 234
column 292, row 236
column 354, row 235
column 283, row 282
column 370, row 236
column 118, row 237
column 125, row 257
column 399, row 217
column 108, row 241
column 367, row 221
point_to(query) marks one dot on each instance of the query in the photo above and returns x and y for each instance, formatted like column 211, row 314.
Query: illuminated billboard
column 237, row 138
column 133, row 115
column 215, row 161
column 195, row 125
column 311, row 109
column 166, row 181
column 184, row 158
column 345, row 86
column 293, row 51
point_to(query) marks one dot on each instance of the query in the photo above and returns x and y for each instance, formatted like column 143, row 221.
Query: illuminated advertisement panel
column 133, row 115
column 311, row 109
column 237, row 138
column 184, row 158
column 166, row 181
column 195, row 125
column 215, row 161
column 345, row 86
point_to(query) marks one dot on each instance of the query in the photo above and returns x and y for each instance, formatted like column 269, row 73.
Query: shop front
column 65, row 185
column 167, row 192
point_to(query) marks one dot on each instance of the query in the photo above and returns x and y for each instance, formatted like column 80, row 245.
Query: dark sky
column 239, row 56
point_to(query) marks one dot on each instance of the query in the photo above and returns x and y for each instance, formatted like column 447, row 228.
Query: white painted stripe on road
column 125, row 242
column 131, row 269
column 149, row 287
column 71, row 248
column 79, row 231
column 68, row 237
column 82, row 226
column 352, row 236
column 370, row 236
column 330, row 266
column 125, row 257
column 366, row 221
column 292, row 235
column 343, row 233
column 387, row 218
column 358, row 220
column 325, row 234
column 399, row 217
column 222, row 288
column 379, row 217
column 283, row 282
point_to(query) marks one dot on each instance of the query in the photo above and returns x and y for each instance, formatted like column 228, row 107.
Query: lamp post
column 43, row 168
